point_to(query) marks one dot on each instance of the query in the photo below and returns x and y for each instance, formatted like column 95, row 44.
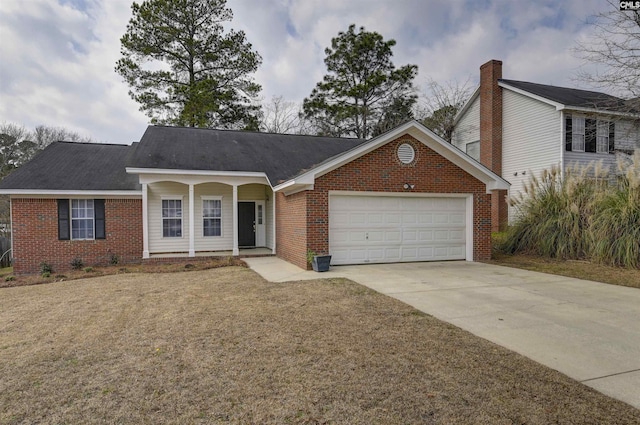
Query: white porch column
column 236, row 251
column 273, row 217
column 192, row 222
column 145, row 222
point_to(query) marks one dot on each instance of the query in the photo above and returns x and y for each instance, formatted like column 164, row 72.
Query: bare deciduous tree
column 283, row 116
column 441, row 103
column 614, row 47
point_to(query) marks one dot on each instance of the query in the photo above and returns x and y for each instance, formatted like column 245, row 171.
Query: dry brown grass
column 572, row 268
column 176, row 265
column 224, row 346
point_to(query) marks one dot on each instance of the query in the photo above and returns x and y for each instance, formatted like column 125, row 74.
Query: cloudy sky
column 57, row 57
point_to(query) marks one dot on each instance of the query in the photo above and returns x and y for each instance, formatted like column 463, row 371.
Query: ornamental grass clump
column 615, row 225
column 553, row 213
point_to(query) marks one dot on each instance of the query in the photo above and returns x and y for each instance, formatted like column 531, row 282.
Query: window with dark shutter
column 93, row 217
column 63, row 220
column 612, row 132
column 98, row 206
column 590, row 132
column 567, row 133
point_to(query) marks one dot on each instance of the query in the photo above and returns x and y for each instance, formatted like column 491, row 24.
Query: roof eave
column 418, row 131
column 466, row 106
column 557, row 105
column 70, row 192
column 600, row 111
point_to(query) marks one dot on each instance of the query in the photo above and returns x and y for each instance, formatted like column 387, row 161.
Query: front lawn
column 224, row 346
column 580, row 269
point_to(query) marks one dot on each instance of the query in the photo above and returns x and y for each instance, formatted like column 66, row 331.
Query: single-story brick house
column 406, row 195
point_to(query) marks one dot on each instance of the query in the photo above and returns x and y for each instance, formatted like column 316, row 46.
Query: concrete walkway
column 589, row 331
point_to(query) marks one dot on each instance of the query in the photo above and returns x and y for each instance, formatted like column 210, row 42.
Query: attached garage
column 391, row 228
column 404, row 196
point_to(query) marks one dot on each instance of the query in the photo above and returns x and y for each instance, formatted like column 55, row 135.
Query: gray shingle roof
column 570, row 97
column 280, row 156
column 75, row 166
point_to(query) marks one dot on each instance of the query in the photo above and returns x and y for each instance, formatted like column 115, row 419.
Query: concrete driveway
column 589, row 331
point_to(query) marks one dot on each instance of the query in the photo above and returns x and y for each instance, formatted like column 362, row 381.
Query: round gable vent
column 406, row 154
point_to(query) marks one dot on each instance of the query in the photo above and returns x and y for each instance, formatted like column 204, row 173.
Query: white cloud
column 58, row 57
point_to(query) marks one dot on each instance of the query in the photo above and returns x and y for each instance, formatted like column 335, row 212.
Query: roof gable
column 420, row 133
column 567, row 97
column 279, row 156
column 70, row 166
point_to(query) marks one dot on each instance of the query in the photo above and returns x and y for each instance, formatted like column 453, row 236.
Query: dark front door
column 246, row 224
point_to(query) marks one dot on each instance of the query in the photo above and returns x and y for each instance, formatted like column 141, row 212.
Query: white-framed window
column 473, row 150
column 211, row 216
column 602, row 137
column 577, row 133
column 591, row 135
column 82, row 219
column 172, row 218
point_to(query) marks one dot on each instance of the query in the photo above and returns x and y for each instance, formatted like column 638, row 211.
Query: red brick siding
column 491, row 135
column 380, row 171
column 291, row 228
column 35, row 236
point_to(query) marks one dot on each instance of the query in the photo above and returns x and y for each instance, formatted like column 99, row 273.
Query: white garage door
column 389, row 229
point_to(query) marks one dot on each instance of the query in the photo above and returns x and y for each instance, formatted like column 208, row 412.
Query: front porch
column 243, row 253
column 207, row 215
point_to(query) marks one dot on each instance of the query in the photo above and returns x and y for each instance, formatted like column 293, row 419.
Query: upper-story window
column 584, row 134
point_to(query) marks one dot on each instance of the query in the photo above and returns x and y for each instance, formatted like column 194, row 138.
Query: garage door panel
column 376, row 219
column 379, row 229
column 425, row 236
column 457, row 219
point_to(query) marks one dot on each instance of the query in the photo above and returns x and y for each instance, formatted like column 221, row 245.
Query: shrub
column 9, row 278
column 88, row 269
column 114, row 260
column 45, row 268
column 46, row 274
column 77, row 264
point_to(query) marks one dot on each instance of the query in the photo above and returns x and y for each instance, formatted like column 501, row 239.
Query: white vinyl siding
column 253, row 192
column 473, row 150
column 627, row 136
column 211, row 217
column 624, row 138
column 156, row 193
column 223, row 242
column 172, row 218
column 531, row 139
column 467, row 129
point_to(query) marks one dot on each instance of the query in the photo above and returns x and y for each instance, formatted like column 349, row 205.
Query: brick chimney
column 491, row 136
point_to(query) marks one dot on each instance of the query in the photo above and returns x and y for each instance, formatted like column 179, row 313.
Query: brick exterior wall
column 291, row 228
column 377, row 171
column 35, row 236
column 491, row 136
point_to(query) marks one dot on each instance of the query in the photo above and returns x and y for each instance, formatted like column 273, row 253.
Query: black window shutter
column 590, row 131
column 567, row 133
column 98, row 208
column 63, row 220
column 612, row 134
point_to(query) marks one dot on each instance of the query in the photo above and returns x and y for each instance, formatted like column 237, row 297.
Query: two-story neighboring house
column 518, row 128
